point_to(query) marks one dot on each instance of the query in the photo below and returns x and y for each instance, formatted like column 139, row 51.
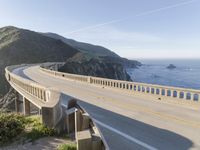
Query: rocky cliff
column 98, row 67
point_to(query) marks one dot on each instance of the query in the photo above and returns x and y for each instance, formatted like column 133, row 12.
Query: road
column 126, row 121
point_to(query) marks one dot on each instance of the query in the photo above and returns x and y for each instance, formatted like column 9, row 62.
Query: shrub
column 67, row 147
column 38, row 129
column 11, row 125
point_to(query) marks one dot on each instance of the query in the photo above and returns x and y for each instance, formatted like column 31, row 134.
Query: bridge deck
column 129, row 122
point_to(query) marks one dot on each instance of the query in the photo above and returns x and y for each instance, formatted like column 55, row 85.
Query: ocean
column 186, row 74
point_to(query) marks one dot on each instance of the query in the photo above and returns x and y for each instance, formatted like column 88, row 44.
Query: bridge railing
column 158, row 90
column 189, row 95
column 48, row 100
column 26, row 85
column 52, row 109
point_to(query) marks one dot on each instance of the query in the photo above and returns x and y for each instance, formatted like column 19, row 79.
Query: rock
column 171, row 66
column 7, row 103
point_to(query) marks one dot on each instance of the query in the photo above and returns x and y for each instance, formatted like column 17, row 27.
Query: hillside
column 93, row 51
column 89, row 49
column 19, row 46
column 99, row 67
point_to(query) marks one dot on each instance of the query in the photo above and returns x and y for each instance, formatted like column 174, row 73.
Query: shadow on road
column 156, row 137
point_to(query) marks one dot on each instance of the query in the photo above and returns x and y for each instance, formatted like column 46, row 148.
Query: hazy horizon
column 133, row 29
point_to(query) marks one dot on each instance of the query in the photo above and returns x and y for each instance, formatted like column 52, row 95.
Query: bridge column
column 39, row 111
column 70, row 120
column 17, row 103
column 78, row 124
column 26, row 105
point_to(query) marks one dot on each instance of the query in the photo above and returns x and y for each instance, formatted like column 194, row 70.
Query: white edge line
column 149, row 147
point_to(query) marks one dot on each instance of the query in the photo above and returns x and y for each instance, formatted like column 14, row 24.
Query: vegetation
column 16, row 125
column 11, row 125
column 38, row 130
column 67, row 147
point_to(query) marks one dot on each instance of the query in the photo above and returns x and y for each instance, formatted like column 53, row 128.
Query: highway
column 129, row 122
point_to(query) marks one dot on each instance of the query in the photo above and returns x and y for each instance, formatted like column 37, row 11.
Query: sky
column 131, row 28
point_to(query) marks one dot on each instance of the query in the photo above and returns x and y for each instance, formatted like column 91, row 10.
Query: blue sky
column 131, row 28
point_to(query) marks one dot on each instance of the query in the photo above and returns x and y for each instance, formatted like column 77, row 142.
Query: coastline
column 186, row 75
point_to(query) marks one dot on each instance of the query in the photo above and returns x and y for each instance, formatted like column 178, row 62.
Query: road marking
column 121, row 104
column 149, row 147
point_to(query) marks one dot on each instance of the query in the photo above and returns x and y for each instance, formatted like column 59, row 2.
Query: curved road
column 126, row 121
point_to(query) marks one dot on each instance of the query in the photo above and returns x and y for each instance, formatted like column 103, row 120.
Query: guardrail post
column 89, row 79
column 184, row 95
column 177, row 94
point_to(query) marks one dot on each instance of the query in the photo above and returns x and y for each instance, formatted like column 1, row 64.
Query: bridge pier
column 70, row 120
column 39, row 111
column 26, row 106
column 17, row 103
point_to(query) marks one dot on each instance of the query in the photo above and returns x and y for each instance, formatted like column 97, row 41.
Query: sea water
column 186, row 74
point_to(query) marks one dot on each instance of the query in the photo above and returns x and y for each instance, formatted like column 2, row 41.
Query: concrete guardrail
column 189, row 95
column 54, row 114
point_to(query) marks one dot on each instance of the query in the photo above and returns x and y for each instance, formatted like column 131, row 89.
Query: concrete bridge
column 110, row 114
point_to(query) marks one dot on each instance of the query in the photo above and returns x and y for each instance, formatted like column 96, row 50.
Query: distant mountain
column 19, row 46
column 93, row 51
column 89, row 49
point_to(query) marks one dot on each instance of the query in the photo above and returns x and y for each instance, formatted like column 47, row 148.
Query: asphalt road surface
column 129, row 122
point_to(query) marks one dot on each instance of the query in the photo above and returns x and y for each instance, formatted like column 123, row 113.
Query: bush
column 11, row 125
column 67, row 147
column 38, row 129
